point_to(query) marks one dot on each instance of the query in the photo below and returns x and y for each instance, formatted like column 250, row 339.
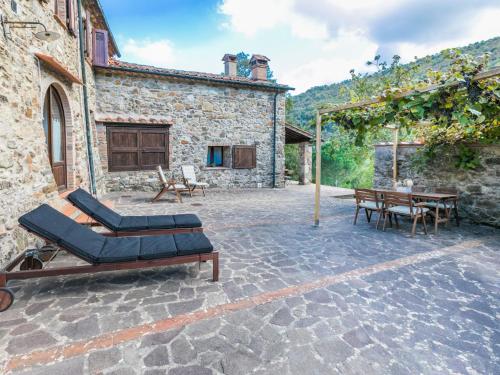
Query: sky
column 309, row 42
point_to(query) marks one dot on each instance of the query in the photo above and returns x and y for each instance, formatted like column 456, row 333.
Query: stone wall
column 26, row 178
column 479, row 188
column 305, row 163
column 201, row 115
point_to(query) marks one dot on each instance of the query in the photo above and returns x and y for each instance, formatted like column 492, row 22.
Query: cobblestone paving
column 435, row 316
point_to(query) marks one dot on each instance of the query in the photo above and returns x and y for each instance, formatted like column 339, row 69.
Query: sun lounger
column 133, row 225
column 103, row 253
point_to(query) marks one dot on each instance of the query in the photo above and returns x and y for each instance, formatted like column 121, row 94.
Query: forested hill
column 302, row 111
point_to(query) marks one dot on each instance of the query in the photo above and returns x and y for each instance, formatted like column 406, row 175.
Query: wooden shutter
column 71, row 17
column 61, row 10
column 244, row 157
column 153, row 148
column 100, row 48
column 88, row 37
column 134, row 148
column 123, row 149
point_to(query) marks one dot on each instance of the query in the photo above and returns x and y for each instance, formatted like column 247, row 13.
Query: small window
column 219, row 156
column 215, row 156
column 61, row 11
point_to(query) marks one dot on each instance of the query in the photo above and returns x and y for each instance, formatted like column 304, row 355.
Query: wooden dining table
column 435, row 197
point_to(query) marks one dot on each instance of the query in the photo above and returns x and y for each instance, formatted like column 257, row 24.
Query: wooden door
column 55, row 134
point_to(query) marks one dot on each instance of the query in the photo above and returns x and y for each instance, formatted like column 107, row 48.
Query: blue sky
column 309, row 42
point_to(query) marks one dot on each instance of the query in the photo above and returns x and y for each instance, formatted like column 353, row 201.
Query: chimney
column 258, row 64
column 229, row 64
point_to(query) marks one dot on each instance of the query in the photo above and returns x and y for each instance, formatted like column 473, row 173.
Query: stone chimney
column 258, row 64
column 229, row 64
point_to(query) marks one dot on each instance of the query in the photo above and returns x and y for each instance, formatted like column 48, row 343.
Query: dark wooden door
column 55, row 134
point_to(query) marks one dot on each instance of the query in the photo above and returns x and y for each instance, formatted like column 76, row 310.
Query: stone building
column 55, row 135
column 232, row 129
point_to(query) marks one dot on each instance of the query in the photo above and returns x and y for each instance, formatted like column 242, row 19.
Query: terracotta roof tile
column 151, row 120
column 148, row 69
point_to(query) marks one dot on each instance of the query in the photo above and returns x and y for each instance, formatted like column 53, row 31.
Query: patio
column 291, row 298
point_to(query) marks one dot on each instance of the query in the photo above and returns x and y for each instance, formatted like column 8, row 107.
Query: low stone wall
column 479, row 188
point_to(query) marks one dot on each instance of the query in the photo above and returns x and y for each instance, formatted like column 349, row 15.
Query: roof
column 294, row 134
column 126, row 67
column 101, row 22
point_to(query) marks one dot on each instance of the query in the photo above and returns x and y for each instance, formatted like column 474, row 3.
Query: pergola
column 368, row 102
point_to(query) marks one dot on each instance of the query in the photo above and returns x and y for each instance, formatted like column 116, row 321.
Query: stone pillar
column 305, row 160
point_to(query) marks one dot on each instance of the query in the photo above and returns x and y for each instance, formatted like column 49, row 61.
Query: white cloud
column 149, row 52
column 251, row 17
column 332, row 63
column 329, row 37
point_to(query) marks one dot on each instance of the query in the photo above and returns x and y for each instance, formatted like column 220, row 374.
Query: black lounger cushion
column 187, row 221
column 118, row 223
column 95, row 209
column 95, row 248
column 56, row 227
column 120, row 249
column 131, row 223
column 161, row 222
column 154, row 247
column 192, row 243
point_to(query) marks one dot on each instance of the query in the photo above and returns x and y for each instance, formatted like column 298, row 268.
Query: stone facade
column 479, row 188
column 202, row 115
column 26, row 178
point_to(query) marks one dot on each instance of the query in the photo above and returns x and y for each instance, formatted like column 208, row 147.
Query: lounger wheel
column 31, row 262
column 6, row 298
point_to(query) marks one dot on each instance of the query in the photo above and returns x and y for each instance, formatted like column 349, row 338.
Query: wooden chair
column 370, row 201
column 446, row 205
column 169, row 185
column 402, row 204
column 190, row 179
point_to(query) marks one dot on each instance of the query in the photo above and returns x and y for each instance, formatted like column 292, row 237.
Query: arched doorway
column 55, row 134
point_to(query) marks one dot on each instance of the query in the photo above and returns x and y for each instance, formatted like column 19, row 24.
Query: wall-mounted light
column 45, row 35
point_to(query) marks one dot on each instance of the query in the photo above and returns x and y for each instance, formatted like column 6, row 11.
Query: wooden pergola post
column 318, row 169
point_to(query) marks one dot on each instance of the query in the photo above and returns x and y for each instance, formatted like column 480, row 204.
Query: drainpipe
column 274, row 139
column 86, row 101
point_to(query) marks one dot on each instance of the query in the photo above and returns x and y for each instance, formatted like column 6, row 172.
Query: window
column 71, row 16
column 244, row 157
column 215, row 156
column 100, row 48
column 219, row 156
column 65, row 14
column 137, row 148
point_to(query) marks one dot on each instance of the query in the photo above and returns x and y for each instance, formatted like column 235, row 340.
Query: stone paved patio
column 292, row 299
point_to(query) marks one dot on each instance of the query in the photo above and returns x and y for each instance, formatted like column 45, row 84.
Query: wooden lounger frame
column 150, row 232
column 7, row 273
